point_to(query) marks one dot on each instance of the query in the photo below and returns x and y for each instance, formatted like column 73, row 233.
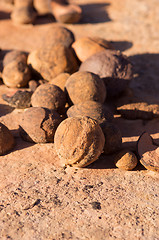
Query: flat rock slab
column 40, row 200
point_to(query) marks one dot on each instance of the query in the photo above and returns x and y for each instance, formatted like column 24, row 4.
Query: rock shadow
column 95, row 13
column 122, row 45
column 146, row 81
column 4, row 15
column 107, row 162
column 46, row 19
column 21, row 144
column 103, row 162
column 5, row 109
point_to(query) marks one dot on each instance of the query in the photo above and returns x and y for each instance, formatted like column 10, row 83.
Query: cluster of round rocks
column 68, row 84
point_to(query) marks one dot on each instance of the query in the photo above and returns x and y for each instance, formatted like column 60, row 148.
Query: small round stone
column 49, row 96
column 85, row 86
column 39, row 125
column 126, row 160
column 79, row 141
column 6, row 139
column 16, row 74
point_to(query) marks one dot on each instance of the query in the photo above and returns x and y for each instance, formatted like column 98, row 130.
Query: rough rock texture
column 49, row 96
column 95, row 110
column 58, row 34
column 14, row 55
column 100, row 201
column 79, row 141
column 39, row 125
column 108, row 63
column 16, row 73
column 126, row 160
column 85, row 86
column 50, row 61
column 20, row 99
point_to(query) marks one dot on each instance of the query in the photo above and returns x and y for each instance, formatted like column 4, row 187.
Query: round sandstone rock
column 49, row 62
column 43, row 7
column 49, row 96
column 58, row 35
column 6, row 139
column 23, row 15
column 60, row 80
column 39, row 125
column 85, row 86
column 16, row 74
column 79, row 141
column 92, row 109
column 14, row 56
column 109, row 64
column 86, row 47
column 113, row 137
column 126, row 160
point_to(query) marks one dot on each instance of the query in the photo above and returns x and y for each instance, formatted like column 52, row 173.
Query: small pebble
column 126, row 160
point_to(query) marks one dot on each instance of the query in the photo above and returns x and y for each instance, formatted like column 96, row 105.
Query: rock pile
column 68, row 89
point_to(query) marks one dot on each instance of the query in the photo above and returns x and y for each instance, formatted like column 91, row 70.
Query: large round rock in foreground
column 79, row 141
column 39, row 125
column 6, row 139
column 85, row 86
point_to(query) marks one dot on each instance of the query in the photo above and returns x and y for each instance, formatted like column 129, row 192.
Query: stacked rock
column 70, row 84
